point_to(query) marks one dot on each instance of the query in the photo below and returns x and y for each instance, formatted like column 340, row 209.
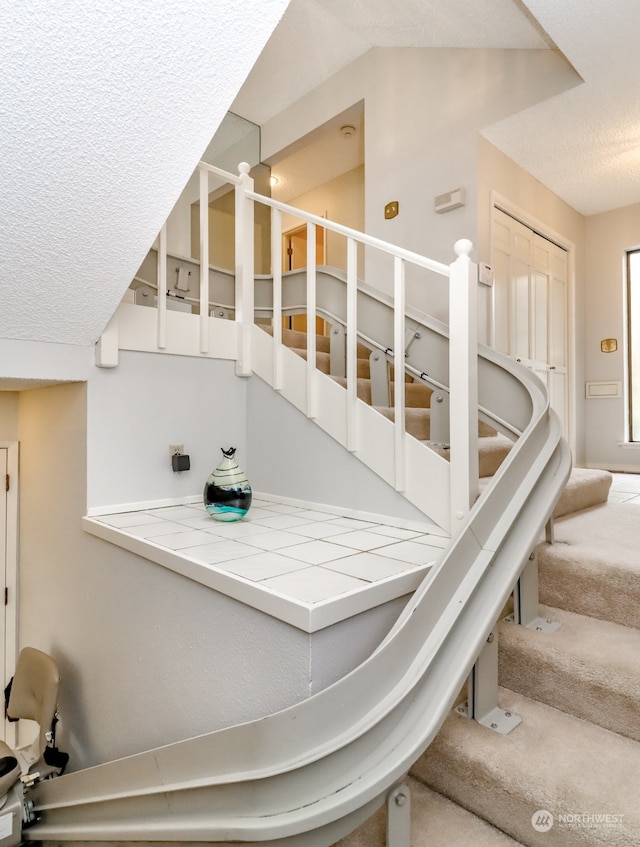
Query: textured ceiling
column 584, row 144
column 107, row 106
column 105, row 109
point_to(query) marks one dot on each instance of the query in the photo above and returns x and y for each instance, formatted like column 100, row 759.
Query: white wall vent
column 450, row 200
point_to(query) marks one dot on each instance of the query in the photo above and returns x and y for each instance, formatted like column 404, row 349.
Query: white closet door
column 530, row 304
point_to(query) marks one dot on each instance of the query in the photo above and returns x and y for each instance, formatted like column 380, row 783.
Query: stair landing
column 302, row 563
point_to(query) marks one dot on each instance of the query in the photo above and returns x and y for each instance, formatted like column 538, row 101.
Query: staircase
column 311, row 774
column 569, row 774
column 418, row 398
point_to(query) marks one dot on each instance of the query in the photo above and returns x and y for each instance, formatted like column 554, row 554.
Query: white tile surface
column 280, row 521
column 323, row 529
column 317, row 552
column 177, row 513
column 363, row 539
column 397, row 532
column 303, row 557
column 179, row 540
column 127, row 519
column 412, row 552
column 370, row 566
column 273, row 540
column 151, row 530
column 313, row 584
column 263, row 566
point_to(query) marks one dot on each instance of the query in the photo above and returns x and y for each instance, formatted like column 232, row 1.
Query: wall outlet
column 173, row 449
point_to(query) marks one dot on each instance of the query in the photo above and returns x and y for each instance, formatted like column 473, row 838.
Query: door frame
column 499, row 201
column 10, row 651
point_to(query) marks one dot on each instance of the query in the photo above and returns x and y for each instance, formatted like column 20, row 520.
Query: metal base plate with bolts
column 497, row 719
column 537, row 624
column 399, row 817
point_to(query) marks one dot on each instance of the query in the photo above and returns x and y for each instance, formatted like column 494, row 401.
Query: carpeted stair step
column 323, row 360
column 586, row 487
column 418, row 420
column 492, row 452
column 417, row 395
column 435, row 822
column 551, row 761
column 593, row 568
column 588, row 668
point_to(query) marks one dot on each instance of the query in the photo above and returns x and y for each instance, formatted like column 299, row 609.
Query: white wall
column 341, row 200
column 424, row 109
column 608, row 237
column 290, row 456
column 146, row 656
column 9, row 415
column 148, row 402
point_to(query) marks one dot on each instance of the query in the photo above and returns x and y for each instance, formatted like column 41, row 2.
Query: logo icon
column 542, row 820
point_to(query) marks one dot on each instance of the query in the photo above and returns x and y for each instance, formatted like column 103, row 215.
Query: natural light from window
column 633, row 342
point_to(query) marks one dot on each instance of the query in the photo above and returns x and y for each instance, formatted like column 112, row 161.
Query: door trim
column 11, row 567
column 499, row 201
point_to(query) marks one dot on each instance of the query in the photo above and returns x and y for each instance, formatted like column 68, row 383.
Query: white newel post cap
column 463, row 247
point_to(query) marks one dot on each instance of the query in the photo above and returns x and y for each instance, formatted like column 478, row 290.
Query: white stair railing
column 462, row 276
column 460, row 475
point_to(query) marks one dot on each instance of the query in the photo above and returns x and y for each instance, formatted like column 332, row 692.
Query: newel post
column 244, row 270
column 463, row 382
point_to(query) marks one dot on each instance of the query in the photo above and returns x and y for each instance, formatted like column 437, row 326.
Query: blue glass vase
column 227, row 493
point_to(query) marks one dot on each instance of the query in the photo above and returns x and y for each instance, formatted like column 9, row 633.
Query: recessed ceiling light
column 347, row 131
column 273, row 180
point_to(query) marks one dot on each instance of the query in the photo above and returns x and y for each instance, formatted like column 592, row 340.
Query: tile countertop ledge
column 304, row 564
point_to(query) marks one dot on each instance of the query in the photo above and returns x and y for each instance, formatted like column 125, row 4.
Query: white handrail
column 348, row 232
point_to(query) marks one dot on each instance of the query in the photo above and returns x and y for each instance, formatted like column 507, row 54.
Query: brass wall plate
column 391, row 209
column 609, row 345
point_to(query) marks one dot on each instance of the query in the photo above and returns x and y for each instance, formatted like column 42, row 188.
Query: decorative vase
column 227, row 493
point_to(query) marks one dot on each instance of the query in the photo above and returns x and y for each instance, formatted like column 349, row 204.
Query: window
column 633, row 342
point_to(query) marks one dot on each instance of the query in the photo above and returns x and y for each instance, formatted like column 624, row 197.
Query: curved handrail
column 324, row 765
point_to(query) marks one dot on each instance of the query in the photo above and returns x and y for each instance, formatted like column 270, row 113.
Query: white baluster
column 352, row 345
column 398, row 376
column 162, row 288
column 204, row 261
column 312, row 398
column 244, row 270
column 463, row 382
column 276, row 270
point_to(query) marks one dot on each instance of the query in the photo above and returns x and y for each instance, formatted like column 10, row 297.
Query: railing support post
column 463, row 383
column 526, row 600
column 337, row 351
column 379, row 375
column 399, row 817
column 439, row 412
column 482, row 692
column 244, row 270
